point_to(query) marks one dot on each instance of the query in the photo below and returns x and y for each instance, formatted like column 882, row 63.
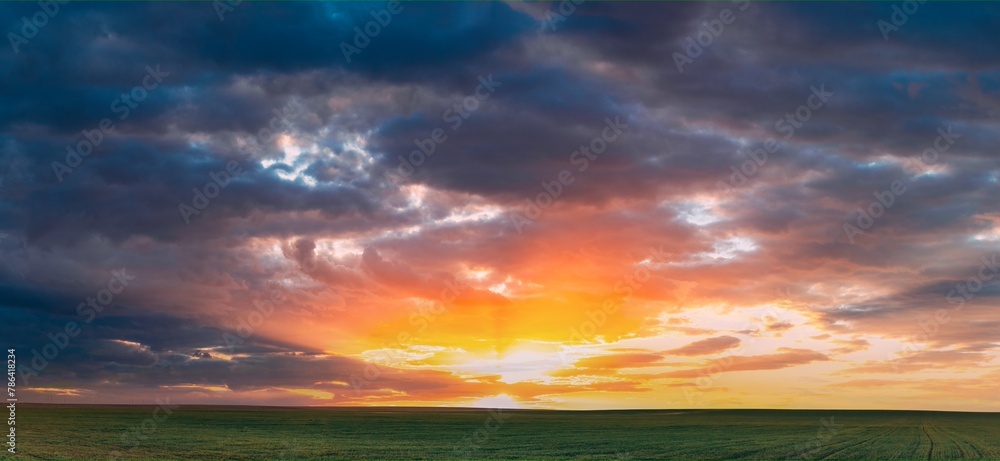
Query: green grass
column 249, row 433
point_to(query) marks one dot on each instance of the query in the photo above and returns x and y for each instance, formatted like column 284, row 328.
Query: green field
column 253, row 433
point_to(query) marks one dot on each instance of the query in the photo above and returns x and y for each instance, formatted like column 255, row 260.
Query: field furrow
column 849, row 448
column 222, row 433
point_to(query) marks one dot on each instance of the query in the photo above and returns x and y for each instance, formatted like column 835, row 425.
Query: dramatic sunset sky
column 658, row 277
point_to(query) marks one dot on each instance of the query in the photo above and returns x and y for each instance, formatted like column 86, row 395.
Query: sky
column 530, row 205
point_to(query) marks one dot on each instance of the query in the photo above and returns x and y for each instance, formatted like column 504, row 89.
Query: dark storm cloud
column 269, row 225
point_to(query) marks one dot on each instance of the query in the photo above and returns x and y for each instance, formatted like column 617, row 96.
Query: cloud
column 618, row 361
column 784, row 358
column 706, row 346
column 925, row 360
column 367, row 259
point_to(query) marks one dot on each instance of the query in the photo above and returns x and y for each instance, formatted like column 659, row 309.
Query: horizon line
column 406, row 407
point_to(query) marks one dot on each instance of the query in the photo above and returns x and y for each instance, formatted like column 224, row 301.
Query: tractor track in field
column 828, row 456
column 931, row 452
column 953, row 438
column 950, row 439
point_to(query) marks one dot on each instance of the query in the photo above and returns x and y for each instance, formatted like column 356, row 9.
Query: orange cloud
column 785, row 358
column 706, row 346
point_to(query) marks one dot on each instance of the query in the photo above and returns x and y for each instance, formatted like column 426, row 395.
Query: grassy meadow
column 254, row 433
